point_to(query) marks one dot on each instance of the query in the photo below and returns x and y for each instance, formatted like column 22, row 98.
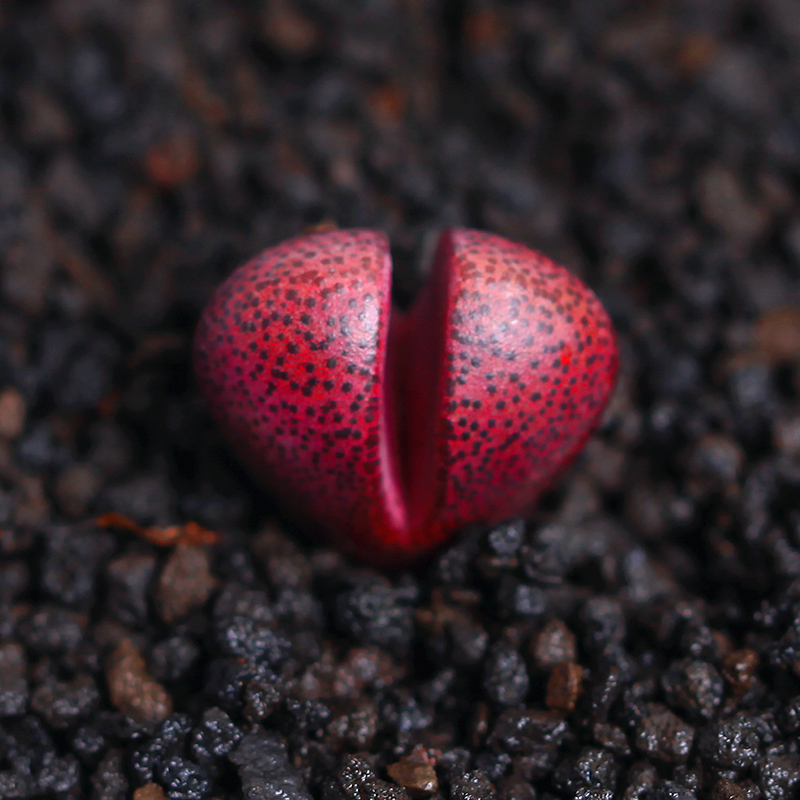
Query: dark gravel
column 638, row 637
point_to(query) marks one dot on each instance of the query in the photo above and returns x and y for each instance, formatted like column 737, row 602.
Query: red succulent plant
column 389, row 431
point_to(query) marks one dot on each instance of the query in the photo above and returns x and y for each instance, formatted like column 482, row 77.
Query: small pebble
column 12, row 413
column 264, row 769
column 109, row 781
column 612, row 738
column 282, row 560
column 777, row 335
column 472, row 786
column 779, row 775
column 172, row 658
column 53, row 630
column 62, row 704
column 590, row 769
column 564, row 687
column 150, row 791
column 553, row 644
column 506, row 681
column 717, row 457
column 128, row 578
column 131, row 688
column 173, row 160
column 731, row 744
column 185, row 582
column 415, row 773
column 739, row 669
column 694, row 686
column 664, row 736
column 376, row 613
column 726, row 789
column 355, row 780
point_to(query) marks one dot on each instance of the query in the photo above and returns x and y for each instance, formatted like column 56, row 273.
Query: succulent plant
column 387, row 430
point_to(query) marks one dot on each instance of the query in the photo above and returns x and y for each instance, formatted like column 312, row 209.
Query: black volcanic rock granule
column 163, row 636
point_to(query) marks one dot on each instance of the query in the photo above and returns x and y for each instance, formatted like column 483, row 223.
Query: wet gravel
column 163, row 636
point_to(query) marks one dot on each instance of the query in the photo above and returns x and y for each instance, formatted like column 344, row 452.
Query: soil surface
column 162, row 635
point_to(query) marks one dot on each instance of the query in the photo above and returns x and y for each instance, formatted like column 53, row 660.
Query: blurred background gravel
column 638, row 638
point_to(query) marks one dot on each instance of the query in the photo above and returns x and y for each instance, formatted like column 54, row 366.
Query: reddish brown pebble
column 415, row 773
column 172, row 161
column 185, row 582
column 131, row 688
column 726, row 789
column 552, row 645
column 290, row 31
column 150, row 791
column 739, row 668
column 786, row 434
column 12, row 413
column 777, row 335
column 564, row 687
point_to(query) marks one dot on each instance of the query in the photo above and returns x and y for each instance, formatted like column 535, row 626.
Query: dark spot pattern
column 283, row 398
column 537, row 361
column 511, row 467
column 501, row 368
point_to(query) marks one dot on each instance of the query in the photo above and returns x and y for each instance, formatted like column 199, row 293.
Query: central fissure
column 413, row 381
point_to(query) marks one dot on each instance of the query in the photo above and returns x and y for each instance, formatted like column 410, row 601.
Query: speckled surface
column 494, row 385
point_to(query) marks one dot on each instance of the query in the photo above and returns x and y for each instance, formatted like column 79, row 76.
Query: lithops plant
column 389, row 431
